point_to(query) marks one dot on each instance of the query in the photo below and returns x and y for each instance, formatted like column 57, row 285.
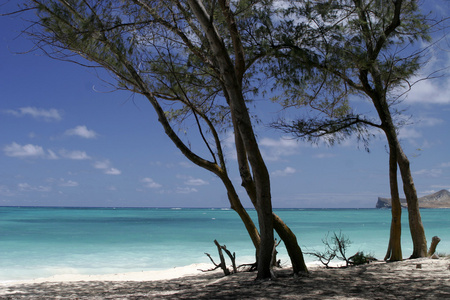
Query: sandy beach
column 410, row 279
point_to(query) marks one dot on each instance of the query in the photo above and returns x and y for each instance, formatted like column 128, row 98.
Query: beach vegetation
column 336, row 247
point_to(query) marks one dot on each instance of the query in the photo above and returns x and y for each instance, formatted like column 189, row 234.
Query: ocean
column 38, row 242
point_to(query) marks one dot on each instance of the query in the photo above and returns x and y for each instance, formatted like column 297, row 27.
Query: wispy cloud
column 274, row 149
column 81, row 131
column 113, row 171
column 430, row 92
column 25, row 187
column 25, row 151
column 185, row 190
column 106, row 167
column 429, row 121
column 37, row 113
column 287, row 171
column 5, row 191
column 445, row 165
column 189, row 180
column 436, row 90
column 433, row 173
column 409, row 134
column 62, row 182
column 68, row 183
column 324, row 155
column 75, row 154
column 441, row 187
column 150, row 183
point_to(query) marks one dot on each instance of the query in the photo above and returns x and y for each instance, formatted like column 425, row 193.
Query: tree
column 187, row 58
column 360, row 48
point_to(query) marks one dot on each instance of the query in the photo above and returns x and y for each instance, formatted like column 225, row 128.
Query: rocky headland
column 439, row 199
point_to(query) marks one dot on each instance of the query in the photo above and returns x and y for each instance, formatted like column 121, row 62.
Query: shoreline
column 422, row 278
column 152, row 275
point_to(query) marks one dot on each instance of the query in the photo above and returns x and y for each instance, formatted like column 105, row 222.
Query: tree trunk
column 434, row 242
column 394, row 252
column 415, row 221
column 286, row 235
column 292, row 247
column 239, row 112
column 236, row 205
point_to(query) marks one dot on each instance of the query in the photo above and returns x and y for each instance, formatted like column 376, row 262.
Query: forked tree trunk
column 394, row 252
column 286, row 235
column 415, row 221
column 233, row 87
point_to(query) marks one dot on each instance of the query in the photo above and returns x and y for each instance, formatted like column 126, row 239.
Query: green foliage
column 345, row 48
column 360, row 258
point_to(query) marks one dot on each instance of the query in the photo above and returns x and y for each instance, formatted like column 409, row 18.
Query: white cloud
column 113, row 171
column 68, row 183
column 76, row 154
column 106, row 167
column 445, row 165
column 25, row 151
column 429, row 122
column 285, row 172
column 82, row 131
column 441, row 187
column 433, row 91
column 274, row 149
column 5, row 191
column 185, row 164
column 434, row 173
column 186, row 190
column 38, row 113
column 52, row 155
column 150, row 183
column 409, row 134
column 437, row 89
column 325, row 155
column 102, row 164
column 195, row 181
column 25, row 187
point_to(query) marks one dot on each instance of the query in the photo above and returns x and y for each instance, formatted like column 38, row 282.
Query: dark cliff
column 439, row 199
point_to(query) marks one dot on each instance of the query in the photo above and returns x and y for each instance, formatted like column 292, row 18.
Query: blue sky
column 66, row 140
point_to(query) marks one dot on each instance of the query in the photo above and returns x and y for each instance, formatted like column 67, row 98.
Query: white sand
column 177, row 272
column 410, row 279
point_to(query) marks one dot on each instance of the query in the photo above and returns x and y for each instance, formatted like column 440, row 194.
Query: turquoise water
column 41, row 242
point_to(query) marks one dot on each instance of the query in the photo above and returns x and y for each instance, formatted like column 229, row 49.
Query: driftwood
column 222, row 263
column 434, row 242
column 273, row 261
column 222, row 259
column 232, row 256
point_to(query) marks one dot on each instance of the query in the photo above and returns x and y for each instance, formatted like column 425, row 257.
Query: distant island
column 439, row 199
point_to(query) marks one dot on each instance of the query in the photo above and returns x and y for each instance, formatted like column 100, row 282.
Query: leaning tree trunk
column 394, row 252
column 415, row 220
column 236, row 205
column 292, row 247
